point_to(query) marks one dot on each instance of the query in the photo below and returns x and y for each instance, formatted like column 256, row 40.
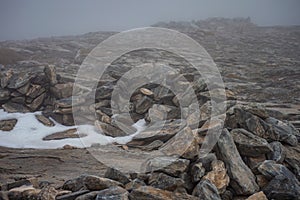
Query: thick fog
column 43, row 18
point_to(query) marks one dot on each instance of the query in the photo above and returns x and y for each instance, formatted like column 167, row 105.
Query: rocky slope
column 256, row 157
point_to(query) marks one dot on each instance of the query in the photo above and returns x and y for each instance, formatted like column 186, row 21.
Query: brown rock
column 44, row 120
column 14, row 107
column 146, row 91
column 143, row 105
column 48, row 193
column 34, row 91
column 165, row 182
column 110, row 130
column 37, row 102
column 50, row 72
column 257, row 196
column 218, row 176
column 71, row 133
column 62, row 90
column 7, row 125
column 114, row 192
column 99, row 183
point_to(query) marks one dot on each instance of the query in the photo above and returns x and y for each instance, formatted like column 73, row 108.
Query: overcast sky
column 24, row 19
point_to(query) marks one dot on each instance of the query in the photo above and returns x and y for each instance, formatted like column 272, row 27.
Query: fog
column 43, row 18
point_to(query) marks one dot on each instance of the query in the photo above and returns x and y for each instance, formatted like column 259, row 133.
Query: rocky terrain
column 256, row 157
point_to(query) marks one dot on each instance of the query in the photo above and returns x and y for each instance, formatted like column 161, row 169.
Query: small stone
column 218, row 176
column 4, row 94
column 19, row 80
column 99, row 183
column 63, row 90
column 111, row 130
column 169, row 165
column 75, row 184
column 261, row 180
column 117, row 175
column 162, row 112
column 70, row 133
column 35, row 91
column 207, row 160
column 48, row 193
column 72, row 196
column 113, row 193
column 8, row 125
column 146, row 91
column 257, row 196
column 37, row 102
column 152, row 146
column 136, row 183
column 14, row 107
column 206, row 190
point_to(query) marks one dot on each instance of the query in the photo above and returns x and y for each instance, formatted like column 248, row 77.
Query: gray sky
column 24, row 19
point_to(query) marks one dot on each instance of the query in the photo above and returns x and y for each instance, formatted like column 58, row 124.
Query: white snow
column 29, row 132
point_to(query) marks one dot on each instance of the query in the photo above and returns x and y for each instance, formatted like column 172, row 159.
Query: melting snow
column 29, row 133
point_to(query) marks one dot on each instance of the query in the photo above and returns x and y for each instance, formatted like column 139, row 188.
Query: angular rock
column 257, row 196
column 70, row 133
column 218, row 176
column 5, row 78
column 165, row 182
column 292, row 158
column 50, row 73
column 241, row 177
column 159, row 131
column 23, row 192
column 35, row 91
column 207, row 160
column 7, row 125
column 99, row 183
column 105, row 91
column 88, row 196
column 19, row 80
column 146, row 91
column 4, row 94
column 136, row 183
column 206, row 190
column 115, row 193
column 282, row 188
column 48, row 193
column 152, row 146
column 14, row 107
column 75, row 184
column 115, row 174
column 249, row 144
column 72, row 196
column 110, row 130
column 44, row 120
column 183, row 144
column 197, row 172
column 37, row 102
column 143, row 105
column 278, row 154
column 163, row 112
column 169, row 165
column 150, row 193
column 62, row 90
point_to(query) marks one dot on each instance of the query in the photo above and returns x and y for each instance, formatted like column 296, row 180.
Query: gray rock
column 278, row 154
column 143, row 105
column 19, row 80
column 4, row 94
column 75, row 184
column 111, row 130
column 206, row 190
column 35, row 91
column 113, row 193
column 50, row 72
column 249, row 144
column 99, row 183
column 14, row 107
column 197, row 171
column 72, row 196
column 117, row 175
column 62, row 90
column 241, row 177
column 44, row 120
column 162, row 112
column 292, row 158
column 169, row 165
column 165, row 182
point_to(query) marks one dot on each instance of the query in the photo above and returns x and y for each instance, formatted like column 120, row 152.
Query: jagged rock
column 116, row 193
column 75, row 184
column 183, row 144
column 7, row 125
column 143, row 105
column 152, row 146
column 62, row 90
column 257, row 196
column 4, row 94
column 249, row 144
column 99, row 183
column 207, row 160
column 19, row 100
column 23, row 192
column 111, row 130
column 70, row 133
column 197, row 171
column 35, row 91
column 292, row 158
column 37, row 102
column 19, row 80
column 159, row 131
column 278, row 153
column 5, row 78
column 115, row 174
column 146, row 91
column 282, row 188
column 261, row 180
column 254, row 162
column 48, row 193
column 218, row 176
column 14, row 107
column 72, row 196
column 165, row 182
column 206, row 190
column 44, row 120
column 227, row 195
column 241, row 177
column 169, row 165
column 104, row 91
column 50, row 73
column 150, row 193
